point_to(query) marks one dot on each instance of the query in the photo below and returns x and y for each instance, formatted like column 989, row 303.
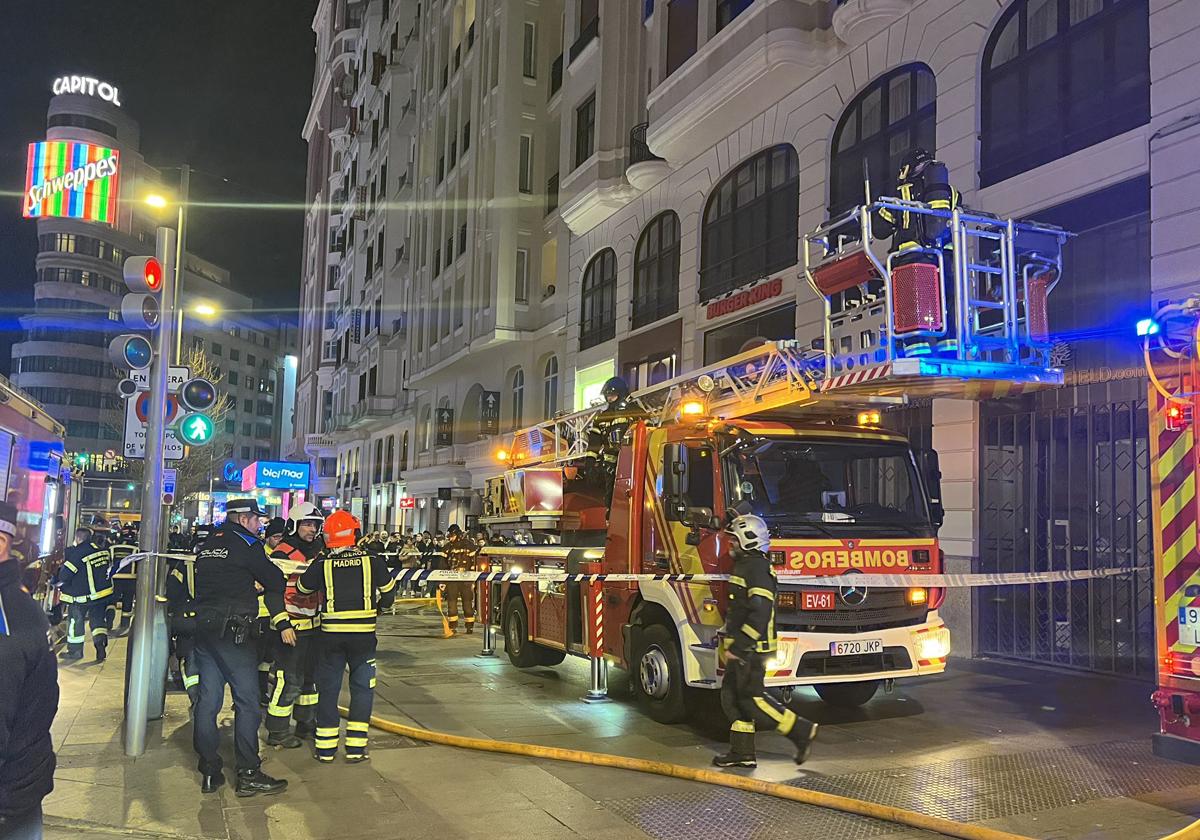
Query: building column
column 956, row 430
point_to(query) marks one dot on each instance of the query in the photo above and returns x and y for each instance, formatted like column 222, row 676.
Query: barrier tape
column 852, row 578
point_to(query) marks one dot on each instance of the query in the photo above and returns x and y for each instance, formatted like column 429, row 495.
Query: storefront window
column 731, row 339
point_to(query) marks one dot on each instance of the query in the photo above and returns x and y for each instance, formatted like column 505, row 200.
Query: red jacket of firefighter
column 293, row 556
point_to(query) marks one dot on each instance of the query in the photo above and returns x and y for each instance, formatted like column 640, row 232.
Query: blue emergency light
column 1147, row 326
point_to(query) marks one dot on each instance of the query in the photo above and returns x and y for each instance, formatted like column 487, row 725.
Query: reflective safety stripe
column 99, row 631
column 264, row 667
column 374, row 671
column 355, row 741
column 768, row 710
column 751, row 632
column 368, row 590
column 103, row 593
column 190, row 680
column 330, row 605
column 273, row 707
column 351, row 614
column 327, row 731
column 762, row 593
column 278, row 619
column 331, row 626
column 306, row 700
column 940, row 204
column 887, row 214
column 357, row 726
column 389, row 586
column 908, row 246
column 734, row 580
column 742, row 726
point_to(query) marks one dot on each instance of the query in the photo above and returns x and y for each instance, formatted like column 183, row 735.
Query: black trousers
column 339, row 651
column 81, row 613
column 742, row 691
column 219, row 662
column 295, row 691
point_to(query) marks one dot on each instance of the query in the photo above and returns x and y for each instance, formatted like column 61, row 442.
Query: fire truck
column 792, row 432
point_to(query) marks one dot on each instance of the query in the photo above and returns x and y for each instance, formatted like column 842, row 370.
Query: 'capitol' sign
column 87, row 86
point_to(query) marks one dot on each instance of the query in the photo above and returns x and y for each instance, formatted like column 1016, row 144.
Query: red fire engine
column 793, row 433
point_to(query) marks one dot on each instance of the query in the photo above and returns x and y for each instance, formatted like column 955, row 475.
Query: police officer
column 750, row 637
column 295, row 691
column 87, row 588
column 460, row 555
column 28, row 696
column 228, row 566
column 181, row 606
column 124, row 579
column 355, row 586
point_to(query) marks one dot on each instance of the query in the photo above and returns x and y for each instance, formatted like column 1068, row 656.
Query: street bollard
column 598, row 692
column 485, row 613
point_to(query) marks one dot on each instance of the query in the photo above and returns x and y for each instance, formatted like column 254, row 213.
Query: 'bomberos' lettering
column 866, row 558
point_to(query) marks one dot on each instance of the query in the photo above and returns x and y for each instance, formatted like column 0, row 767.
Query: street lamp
column 205, row 310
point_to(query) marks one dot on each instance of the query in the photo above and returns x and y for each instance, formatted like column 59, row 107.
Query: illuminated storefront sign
column 70, row 179
column 87, row 86
column 734, row 303
column 281, row 475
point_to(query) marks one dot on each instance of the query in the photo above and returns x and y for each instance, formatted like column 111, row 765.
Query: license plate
column 1189, row 625
column 856, row 647
column 817, row 600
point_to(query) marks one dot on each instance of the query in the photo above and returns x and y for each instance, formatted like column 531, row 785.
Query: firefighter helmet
column 615, row 390
column 914, row 162
column 304, row 512
column 275, row 526
column 341, row 529
column 751, row 532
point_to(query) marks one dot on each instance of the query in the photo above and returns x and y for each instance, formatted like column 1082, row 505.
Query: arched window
column 1059, row 76
column 550, row 388
column 404, row 452
column 518, row 397
column 750, row 222
column 598, row 306
column 895, row 113
column 656, row 270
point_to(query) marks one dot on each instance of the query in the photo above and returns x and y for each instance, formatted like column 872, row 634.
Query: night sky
column 221, row 84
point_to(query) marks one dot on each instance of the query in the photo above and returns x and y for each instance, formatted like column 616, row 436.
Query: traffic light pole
column 141, row 676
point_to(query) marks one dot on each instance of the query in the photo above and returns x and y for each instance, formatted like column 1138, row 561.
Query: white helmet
column 304, row 512
column 751, row 532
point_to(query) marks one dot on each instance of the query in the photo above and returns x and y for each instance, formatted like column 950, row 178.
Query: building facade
column 686, row 146
column 63, row 360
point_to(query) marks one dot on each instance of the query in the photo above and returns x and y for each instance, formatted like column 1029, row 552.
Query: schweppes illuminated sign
column 864, row 555
column 70, row 179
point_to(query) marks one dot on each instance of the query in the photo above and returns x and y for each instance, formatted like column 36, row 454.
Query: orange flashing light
column 868, row 418
column 691, row 408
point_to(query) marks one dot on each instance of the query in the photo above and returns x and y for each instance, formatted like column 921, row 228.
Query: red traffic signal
column 143, row 274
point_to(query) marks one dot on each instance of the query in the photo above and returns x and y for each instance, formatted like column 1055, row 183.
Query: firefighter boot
column 101, row 643
column 802, row 735
column 741, row 747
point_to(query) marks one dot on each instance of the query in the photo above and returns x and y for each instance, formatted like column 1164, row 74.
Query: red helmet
column 341, row 529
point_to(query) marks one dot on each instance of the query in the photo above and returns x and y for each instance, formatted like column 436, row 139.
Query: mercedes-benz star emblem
column 852, row 595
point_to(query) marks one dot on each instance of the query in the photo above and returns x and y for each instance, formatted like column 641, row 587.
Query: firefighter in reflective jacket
column 87, row 588
column 355, row 586
column 605, row 436
column 181, row 597
column 916, row 237
column 124, row 580
column 750, row 637
column 461, row 553
column 295, row 691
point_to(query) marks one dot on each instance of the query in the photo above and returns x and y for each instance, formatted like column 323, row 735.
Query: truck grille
column 818, row 663
column 882, row 608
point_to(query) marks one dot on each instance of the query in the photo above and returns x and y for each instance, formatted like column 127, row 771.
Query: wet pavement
column 1044, row 753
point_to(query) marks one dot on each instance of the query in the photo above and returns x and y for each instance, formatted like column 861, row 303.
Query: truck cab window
column 700, row 477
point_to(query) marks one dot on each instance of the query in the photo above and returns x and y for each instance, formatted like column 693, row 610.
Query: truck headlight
column 934, row 644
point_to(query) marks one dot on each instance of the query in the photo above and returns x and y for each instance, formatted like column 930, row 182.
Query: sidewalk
column 1055, row 757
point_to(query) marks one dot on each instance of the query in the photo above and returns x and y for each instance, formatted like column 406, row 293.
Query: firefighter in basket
column 749, row 639
column 606, row 434
column 918, row 237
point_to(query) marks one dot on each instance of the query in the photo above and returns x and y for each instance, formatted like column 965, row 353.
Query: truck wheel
column 521, row 651
column 847, row 695
column 657, row 675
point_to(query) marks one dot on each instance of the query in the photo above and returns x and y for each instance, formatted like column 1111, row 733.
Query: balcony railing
column 556, row 71
column 587, row 33
column 639, row 152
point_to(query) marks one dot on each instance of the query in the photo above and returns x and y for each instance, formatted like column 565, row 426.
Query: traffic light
column 130, row 351
column 198, row 394
column 81, row 459
column 144, row 277
column 196, row 429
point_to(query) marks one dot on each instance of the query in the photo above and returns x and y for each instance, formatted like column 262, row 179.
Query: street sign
column 169, row 475
column 135, row 431
column 135, row 443
column 445, row 427
column 196, row 429
column 176, row 376
column 489, row 413
column 141, row 407
column 408, row 503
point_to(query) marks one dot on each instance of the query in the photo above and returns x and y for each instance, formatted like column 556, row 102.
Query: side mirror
column 697, row 518
column 931, row 472
column 675, row 479
column 937, row 512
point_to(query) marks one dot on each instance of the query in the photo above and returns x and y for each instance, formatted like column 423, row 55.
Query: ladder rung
column 985, row 304
column 984, row 269
column 983, row 234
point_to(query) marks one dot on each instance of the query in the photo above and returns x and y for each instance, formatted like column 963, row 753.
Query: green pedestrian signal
column 196, row 429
